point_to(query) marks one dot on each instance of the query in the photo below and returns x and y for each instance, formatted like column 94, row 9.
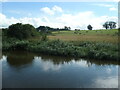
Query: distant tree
column 42, row 28
column 109, row 25
column 57, row 29
column 66, row 28
column 112, row 24
column 21, row 31
column 69, row 28
column 106, row 25
column 89, row 27
column 49, row 28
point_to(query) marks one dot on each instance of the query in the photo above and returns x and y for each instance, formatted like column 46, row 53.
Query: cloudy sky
column 59, row 14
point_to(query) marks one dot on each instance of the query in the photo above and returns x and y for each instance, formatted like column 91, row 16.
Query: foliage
column 21, row 31
column 66, row 28
column 109, row 24
column 47, row 28
column 42, row 29
column 15, row 37
column 93, row 50
column 13, row 44
column 44, row 37
column 89, row 27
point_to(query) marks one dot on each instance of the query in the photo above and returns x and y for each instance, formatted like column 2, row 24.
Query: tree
column 89, row 27
column 42, row 28
column 21, row 31
column 109, row 25
column 112, row 24
column 106, row 25
column 69, row 28
column 66, row 28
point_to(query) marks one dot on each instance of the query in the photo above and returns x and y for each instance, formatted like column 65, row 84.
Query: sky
column 76, row 15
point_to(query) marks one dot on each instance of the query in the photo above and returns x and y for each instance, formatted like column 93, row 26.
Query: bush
column 21, row 31
column 44, row 37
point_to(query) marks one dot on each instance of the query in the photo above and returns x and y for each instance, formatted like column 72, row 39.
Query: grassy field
column 110, row 36
column 78, row 44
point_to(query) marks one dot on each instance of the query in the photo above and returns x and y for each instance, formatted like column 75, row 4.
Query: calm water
column 29, row 70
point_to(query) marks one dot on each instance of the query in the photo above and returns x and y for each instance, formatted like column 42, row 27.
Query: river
column 21, row 69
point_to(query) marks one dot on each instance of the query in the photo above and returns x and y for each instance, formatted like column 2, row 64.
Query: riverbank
column 83, row 49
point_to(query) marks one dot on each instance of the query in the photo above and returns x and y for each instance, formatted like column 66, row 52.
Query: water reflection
column 46, row 65
column 20, row 58
column 111, row 82
column 45, row 71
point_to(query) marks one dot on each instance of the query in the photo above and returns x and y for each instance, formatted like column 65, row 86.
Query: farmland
column 110, row 36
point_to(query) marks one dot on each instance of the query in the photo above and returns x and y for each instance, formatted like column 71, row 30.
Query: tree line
column 106, row 25
column 47, row 28
column 24, row 31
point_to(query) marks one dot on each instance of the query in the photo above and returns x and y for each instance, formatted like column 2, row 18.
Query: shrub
column 21, row 31
column 44, row 37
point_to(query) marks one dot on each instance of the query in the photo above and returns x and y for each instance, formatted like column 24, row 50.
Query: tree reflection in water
column 19, row 58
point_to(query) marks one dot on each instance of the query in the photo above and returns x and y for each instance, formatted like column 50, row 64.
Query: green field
column 110, row 36
column 95, row 44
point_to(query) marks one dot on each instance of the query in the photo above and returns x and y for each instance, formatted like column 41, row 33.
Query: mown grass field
column 110, row 36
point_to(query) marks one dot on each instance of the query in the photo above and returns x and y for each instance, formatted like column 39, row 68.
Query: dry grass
column 97, row 38
column 109, row 36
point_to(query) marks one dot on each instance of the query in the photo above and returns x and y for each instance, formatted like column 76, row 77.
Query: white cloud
column 51, row 11
column 57, row 9
column 113, row 9
column 80, row 20
column 47, row 10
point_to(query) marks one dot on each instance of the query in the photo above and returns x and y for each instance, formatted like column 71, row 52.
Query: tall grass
column 93, row 50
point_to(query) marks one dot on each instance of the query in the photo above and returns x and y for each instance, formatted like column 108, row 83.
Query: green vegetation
column 94, row 44
column 93, row 50
column 109, row 24
column 89, row 27
column 21, row 31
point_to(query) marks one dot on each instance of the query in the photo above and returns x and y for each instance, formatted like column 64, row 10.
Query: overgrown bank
column 22, row 37
column 92, row 50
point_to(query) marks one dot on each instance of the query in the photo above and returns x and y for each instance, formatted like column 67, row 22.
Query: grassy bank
column 92, row 50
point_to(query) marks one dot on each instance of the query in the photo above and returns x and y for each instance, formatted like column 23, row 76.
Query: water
column 29, row 70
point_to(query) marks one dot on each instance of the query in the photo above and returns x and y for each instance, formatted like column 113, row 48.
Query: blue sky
column 59, row 14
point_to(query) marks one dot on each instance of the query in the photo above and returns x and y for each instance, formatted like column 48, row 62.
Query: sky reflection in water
column 41, row 71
